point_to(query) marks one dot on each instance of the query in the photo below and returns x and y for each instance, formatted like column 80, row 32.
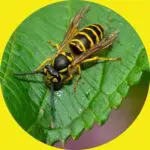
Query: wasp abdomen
column 86, row 38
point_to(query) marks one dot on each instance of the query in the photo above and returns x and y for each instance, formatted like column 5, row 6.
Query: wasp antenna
column 26, row 73
column 52, row 105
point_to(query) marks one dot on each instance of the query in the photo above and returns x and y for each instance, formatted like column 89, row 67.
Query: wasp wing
column 73, row 28
column 105, row 43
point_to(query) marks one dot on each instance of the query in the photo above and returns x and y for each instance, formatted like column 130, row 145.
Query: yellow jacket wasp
column 77, row 47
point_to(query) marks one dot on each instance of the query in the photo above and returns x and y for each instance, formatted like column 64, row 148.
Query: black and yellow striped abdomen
column 86, row 38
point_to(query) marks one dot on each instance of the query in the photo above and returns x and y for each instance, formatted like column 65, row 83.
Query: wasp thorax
column 61, row 62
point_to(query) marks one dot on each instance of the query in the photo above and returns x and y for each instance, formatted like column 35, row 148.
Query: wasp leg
column 69, row 75
column 79, row 76
column 96, row 58
column 46, row 61
column 53, row 45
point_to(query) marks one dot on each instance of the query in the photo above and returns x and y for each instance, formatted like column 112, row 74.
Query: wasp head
column 51, row 73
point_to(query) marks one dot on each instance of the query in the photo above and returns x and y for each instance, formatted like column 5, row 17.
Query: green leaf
column 102, row 87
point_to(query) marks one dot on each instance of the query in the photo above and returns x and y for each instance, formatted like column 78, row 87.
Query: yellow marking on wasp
column 88, row 37
column 69, row 58
column 82, row 45
column 63, row 70
column 61, row 76
column 97, row 38
column 45, row 70
column 99, row 29
column 74, row 44
column 63, row 53
column 55, row 80
column 49, row 77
